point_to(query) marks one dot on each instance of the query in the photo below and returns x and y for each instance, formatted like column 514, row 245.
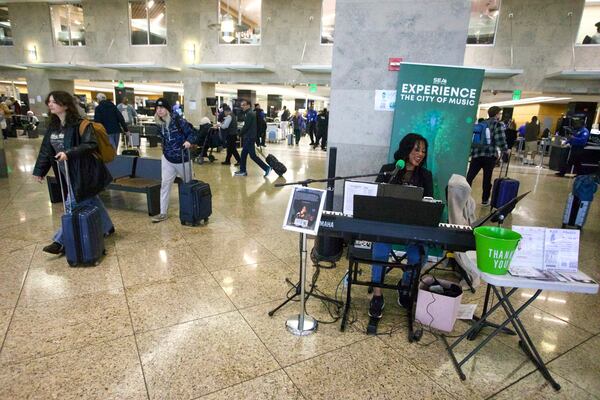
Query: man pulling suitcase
column 485, row 145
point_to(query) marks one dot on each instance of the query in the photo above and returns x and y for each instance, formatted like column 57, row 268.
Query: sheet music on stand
column 352, row 188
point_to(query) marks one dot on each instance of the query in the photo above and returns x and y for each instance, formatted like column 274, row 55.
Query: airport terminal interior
column 173, row 311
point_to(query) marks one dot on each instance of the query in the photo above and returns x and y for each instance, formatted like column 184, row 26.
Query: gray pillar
column 196, row 91
column 367, row 33
column 39, row 84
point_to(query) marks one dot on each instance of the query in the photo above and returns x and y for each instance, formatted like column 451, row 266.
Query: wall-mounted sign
column 394, row 63
column 516, row 94
column 312, row 88
column 385, row 100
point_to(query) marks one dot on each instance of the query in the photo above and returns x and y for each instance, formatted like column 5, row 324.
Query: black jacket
column 249, row 128
column 421, row 177
column 88, row 174
column 109, row 115
column 323, row 122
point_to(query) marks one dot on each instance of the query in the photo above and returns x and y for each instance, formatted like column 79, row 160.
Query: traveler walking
column 485, row 153
column 248, row 140
column 177, row 134
column 108, row 115
column 88, row 174
column 229, row 129
column 127, row 111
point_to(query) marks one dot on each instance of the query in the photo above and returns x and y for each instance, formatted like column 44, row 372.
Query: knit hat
column 162, row 102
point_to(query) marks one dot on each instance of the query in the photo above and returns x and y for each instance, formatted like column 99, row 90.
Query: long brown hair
column 63, row 99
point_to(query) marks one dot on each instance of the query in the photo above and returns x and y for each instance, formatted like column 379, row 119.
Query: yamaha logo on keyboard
column 326, row 224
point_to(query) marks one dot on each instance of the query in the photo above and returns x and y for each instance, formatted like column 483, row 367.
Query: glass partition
column 6, row 38
column 327, row 21
column 589, row 27
column 67, row 24
column 240, row 21
column 483, row 21
column 148, row 22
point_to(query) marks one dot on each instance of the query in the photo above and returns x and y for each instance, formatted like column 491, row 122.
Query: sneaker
column 485, row 203
column 376, row 306
column 54, row 248
column 268, row 171
column 110, row 232
column 240, row 173
column 225, row 163
column 559, row 174
column 159, row 218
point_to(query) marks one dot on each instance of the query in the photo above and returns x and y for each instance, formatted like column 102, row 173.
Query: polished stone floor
column 175, row 312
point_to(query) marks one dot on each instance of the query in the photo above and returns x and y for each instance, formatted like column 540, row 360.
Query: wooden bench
column 137, row 175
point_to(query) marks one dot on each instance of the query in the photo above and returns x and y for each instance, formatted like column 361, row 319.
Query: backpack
column 188, row 123
column 105, row 150
column 481, row 135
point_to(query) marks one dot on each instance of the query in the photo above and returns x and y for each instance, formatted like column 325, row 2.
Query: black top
column 421, row 177
column 109, row 115
column 249, row 128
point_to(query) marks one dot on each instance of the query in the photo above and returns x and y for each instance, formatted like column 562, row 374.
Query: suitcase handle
column 69, row 187
column 189, row 163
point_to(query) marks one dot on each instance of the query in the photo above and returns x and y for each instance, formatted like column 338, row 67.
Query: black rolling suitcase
column 195, row 198
column 54, row 189
column 130, row 151
column 83, row 237
column 277, row 166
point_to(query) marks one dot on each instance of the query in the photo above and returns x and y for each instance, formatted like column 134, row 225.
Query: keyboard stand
column 353, row 269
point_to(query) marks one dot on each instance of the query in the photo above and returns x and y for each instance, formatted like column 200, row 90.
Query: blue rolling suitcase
column 83, row 237
column 504, row 189
column 195, row 198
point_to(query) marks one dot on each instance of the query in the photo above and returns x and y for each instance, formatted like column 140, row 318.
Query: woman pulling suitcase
column 176, row 133
column 87, row 172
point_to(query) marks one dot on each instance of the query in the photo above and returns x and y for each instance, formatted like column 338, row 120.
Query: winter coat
column 249, row 128
column 174, row 135
column 87, row 172
column 109, row 115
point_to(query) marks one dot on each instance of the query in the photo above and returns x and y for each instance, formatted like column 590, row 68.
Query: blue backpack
column 481, row 134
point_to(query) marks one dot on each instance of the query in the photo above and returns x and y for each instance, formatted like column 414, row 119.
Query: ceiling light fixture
column 227, row 28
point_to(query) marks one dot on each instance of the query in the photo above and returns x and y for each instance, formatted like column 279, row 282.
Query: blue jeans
column 114, row 139
column 249, row 150
column 92, row 201
column 381, row 252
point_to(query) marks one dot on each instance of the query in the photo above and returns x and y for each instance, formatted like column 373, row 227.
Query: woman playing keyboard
column 413, row 151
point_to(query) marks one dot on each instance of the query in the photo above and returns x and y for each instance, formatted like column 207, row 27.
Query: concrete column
column 196, row 91
column 367, row 33
column 39, row 84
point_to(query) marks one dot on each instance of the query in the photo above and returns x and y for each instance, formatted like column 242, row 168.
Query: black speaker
column 328, row 249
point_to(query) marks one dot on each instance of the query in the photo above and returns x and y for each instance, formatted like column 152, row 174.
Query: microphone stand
column 301, row 325
column 307, row 182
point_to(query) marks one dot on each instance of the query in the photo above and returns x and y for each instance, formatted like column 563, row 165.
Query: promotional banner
column 440, row 103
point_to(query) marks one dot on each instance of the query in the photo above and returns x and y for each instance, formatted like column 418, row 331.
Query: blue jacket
column 173, row 138
column 580, row 139
column 109, row 115
column 311, row 116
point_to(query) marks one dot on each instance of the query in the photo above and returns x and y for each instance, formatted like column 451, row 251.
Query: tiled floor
column 175, row 312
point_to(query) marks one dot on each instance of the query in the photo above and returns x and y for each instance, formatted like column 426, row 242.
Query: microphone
column 400, row 164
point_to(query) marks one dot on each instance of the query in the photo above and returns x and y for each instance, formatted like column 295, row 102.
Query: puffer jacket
column 87, row 172
column 174, row 135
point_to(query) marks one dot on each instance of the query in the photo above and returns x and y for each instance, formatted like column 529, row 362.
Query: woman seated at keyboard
column 413, row 151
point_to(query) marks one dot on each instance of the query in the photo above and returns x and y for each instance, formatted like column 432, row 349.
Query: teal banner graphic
column 439, row 102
